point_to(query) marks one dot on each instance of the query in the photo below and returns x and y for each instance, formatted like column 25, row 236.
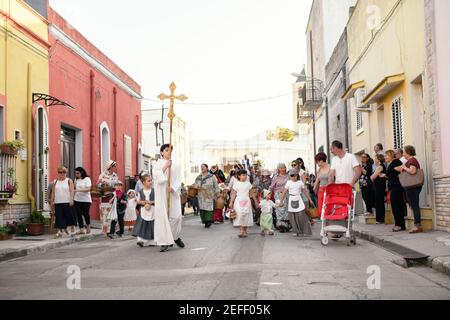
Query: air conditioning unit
column 360, row 94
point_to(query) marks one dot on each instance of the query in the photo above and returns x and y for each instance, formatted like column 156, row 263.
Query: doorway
column 42, row 159
column 68, row 147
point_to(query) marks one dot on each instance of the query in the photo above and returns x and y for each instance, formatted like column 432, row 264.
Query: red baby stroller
column 338, row 205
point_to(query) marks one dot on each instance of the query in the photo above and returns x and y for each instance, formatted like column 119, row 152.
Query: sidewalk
column 24, row 246
column 434, row 246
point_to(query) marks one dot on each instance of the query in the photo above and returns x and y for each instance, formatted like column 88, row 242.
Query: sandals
column 416, row 230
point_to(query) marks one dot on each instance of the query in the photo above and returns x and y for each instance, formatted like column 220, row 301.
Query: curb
column 432, row 262
column 8, row 254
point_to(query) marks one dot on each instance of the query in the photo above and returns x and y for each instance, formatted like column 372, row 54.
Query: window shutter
column 128, row 156
column 397, row 123
column 359, row 120
column 45, row 172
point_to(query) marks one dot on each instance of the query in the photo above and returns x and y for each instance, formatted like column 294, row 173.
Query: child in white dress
column 130, row 213
column 266, row 220
column 240, row 202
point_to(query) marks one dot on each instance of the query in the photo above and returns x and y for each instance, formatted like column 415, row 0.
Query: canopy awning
column 350, row 92
column 383, row 88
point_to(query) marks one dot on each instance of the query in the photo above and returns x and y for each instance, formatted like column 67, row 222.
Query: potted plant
column 35, row 224
column 6, row 233
column 11, row 147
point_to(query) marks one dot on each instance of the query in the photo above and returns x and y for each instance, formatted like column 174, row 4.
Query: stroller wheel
column 353, row 240
column 324, row 241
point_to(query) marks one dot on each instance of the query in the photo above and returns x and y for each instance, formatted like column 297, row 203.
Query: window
column 359, row 121
column 397, row 123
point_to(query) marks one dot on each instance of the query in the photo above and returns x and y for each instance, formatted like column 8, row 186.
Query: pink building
column 102, row 119
column 437, row 15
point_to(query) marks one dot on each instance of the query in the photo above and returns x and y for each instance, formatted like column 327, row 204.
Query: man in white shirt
column 345, row 168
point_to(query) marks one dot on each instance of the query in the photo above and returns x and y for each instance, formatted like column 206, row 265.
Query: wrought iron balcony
column 8, row 183
column 313, row 94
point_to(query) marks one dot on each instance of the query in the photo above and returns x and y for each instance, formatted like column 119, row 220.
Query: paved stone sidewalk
column 434, row 244
column 24, row 246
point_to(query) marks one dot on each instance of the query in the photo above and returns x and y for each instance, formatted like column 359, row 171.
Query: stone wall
column 442, row 200
column 14, row 212
column 441, row 184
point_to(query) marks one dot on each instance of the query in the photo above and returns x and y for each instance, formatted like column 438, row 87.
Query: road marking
column 271, row 283
column 199, row 249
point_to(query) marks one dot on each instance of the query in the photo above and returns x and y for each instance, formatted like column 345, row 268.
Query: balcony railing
column 7, row 175
column 313, row 94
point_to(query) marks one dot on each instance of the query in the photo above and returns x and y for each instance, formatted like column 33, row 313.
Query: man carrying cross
column 167, row 226
column 167, row 176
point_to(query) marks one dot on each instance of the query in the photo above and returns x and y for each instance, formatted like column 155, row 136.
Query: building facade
column 326, row 23
column 337, row 110
column 437, row 95
column 385, row 88
column 24, row 71
column 102, row 118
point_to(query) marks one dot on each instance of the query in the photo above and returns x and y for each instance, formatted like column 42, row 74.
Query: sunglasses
column 293, row 175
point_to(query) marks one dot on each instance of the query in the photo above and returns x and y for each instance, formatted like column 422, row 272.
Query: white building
column 153, row 137
column 228, row 152
column 326, row 23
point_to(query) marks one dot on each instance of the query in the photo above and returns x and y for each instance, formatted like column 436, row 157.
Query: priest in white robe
column 167, row 228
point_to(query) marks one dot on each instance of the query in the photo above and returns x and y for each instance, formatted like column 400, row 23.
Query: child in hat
column 120, row 203
column 130, row 212
column 266, row 220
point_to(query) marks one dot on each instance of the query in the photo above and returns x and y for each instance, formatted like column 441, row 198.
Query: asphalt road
column 216, row 264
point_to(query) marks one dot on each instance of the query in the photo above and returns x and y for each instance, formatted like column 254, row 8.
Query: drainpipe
column 115, row 123
column 92, row 127
column 30, row 140
column 347, row 140
column 327, row 127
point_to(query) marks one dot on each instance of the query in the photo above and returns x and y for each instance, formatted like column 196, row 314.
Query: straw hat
column 118, row 183
column 266, row 173
column 109, row 164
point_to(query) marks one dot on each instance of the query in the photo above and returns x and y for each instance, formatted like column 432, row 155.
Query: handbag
column 411, row 181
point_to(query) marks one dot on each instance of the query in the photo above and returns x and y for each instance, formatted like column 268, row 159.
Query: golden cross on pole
column 172, row 97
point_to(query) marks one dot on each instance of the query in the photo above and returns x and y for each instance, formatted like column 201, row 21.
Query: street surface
column 216, row 264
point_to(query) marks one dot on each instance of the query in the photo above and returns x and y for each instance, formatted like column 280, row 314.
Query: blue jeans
column 413, row 201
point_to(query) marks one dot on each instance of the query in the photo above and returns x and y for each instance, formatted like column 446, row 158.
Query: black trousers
column 120, row 216
column 367, row 194
column 380, row 207
column 398, row 207
column 82, row 210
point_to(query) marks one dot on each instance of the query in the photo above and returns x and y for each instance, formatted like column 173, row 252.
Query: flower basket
column 6, row 195
column 6, row 149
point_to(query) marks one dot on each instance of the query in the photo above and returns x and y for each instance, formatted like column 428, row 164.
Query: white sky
column 215, row 51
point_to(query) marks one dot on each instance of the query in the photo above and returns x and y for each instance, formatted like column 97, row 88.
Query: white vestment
column 167, row 229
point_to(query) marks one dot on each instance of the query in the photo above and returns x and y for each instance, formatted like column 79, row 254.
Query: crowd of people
column 279, row 200
column 380, row 183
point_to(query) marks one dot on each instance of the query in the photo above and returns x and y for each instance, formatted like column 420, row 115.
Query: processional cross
column 172, row 97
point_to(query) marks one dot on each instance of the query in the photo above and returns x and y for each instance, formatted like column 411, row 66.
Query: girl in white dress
column 130, row 213
column 241, row 204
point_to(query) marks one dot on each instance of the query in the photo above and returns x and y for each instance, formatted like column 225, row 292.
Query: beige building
column 386, row 63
